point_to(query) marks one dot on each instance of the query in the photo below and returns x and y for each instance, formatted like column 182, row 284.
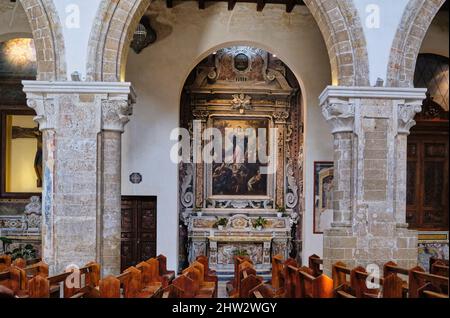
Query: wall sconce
column 143, row 36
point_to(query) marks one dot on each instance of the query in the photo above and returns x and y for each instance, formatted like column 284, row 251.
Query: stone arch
column 111, row 36
column 411, row 31
column 48, row 38
column 338, row 21
column 342, row 31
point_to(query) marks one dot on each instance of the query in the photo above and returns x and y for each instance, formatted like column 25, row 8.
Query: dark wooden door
column 138, row 238
column 427, row 180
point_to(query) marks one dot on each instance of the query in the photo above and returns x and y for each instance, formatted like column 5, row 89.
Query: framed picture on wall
column 323, row 195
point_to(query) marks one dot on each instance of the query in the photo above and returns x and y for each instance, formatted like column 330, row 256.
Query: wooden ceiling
column 290, row 4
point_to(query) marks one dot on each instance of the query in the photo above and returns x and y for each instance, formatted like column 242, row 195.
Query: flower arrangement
column 259, row 223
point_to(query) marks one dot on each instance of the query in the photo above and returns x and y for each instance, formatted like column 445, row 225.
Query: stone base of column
column 390, row 243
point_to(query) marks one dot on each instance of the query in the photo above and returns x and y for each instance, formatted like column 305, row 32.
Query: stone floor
column 222, row 290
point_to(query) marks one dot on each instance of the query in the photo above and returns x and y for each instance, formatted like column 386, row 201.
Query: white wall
column 76, row 18
column 186, row 35
column 379, row 36
column 436, row 39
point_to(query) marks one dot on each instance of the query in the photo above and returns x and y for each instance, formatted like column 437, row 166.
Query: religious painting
column 432, row 244
column 239, row 175
column 323, row 195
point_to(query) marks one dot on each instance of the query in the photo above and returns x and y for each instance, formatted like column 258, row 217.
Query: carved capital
column 115, row 114
column 46, row 111
column 405, row 115
column 200, row 114
column 340, row 113
column 281, row 116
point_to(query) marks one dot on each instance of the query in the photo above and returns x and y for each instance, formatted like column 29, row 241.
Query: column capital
column 340, row 113
column 339, row 105
column 114, row 100
column 115, row 114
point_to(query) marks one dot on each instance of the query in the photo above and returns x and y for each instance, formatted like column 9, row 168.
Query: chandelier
column 143, row 36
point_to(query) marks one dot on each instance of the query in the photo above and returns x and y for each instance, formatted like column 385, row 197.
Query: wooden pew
column 439, row 267
column 419, row 281
column 203, row 289
column 134, row 287
column 278, row 272
column 248, row 283
column 162, row 262
column 232, row 285
column 14, row 278
column 170, row 291
column 339, row 273
column 288, row 289
column 5, row 262
column 315, row 263
column 314, row 287
column 263, row 291
column 209, row 275
column 109, row 287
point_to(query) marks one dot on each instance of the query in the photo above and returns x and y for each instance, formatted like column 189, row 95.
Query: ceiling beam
column 260, row 5
column 202, row 4
column 290, row 4
column 231, row 4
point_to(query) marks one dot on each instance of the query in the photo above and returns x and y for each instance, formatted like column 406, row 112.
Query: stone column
column 82, row 125
column 369, row 127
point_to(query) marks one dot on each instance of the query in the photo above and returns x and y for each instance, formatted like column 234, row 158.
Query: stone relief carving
column 186, row 187
column 292, row 188
column 115, row 114
column 340, row 114
column 241, row 102
column 281, row 116
column 406, row 113
column 240, row 204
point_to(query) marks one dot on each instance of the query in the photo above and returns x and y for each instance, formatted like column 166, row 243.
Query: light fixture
column 20, row 51
column 143, row 36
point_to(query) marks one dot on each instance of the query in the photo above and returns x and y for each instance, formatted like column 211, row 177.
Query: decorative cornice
column 47, row 87
column 403, row 93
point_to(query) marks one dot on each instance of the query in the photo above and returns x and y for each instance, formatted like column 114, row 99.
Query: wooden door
column 427, row 180
column 138, row 237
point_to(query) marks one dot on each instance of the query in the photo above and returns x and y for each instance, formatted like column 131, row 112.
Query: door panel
column 138, row 230
column 427, row 181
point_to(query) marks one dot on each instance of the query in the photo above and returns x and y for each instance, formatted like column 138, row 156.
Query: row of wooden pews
column 196, row 281
column 289, row 280
column 396, row 282
column 142, row 281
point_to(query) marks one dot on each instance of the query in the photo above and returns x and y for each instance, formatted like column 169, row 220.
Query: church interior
column 224, row 149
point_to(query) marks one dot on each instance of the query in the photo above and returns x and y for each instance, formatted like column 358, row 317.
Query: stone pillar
column 370, row 127
column 82, row 125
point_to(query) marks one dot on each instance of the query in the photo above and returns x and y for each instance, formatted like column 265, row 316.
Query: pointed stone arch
column 48, row 39
column 411, row 31
column 342, row 31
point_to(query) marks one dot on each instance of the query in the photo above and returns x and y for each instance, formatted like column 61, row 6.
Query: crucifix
column 21, row 132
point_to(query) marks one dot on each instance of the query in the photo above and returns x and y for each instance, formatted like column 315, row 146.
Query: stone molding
column 116, row 101
column 339, row 105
